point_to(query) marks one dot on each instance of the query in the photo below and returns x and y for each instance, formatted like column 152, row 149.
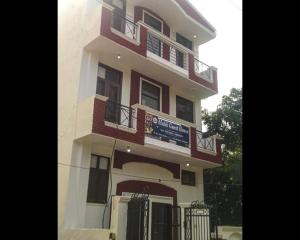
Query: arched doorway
column 161, row 225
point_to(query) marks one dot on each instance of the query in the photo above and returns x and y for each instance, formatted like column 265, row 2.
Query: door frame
column 121, row 79
column 156, row 199
column 165, row 204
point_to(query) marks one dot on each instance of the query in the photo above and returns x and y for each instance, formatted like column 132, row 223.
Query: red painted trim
column 100, row 128
column 138, row 16
column 205, row 156
column 121, row 158
column 189, row 10
column 166, row 51
column 135, row 90
column 105, row 30
column 133, row 186
column 194, row 77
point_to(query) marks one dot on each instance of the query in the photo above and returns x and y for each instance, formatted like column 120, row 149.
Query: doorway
column 109, row 84
column 153, row 43
column 161, row 227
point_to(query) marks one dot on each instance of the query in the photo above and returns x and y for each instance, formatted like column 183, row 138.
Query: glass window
column 94, row 161
column 188, row 178
column 118, row 3
column 101, row 72
column 153, row 22
column 150, row 95
column 184, row 41
column 98, row 179
column 103, row 163
column 184, row 109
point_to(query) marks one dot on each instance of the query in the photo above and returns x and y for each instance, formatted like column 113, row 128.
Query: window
column 120, row 4
column 153, row 43
column 184, row 41
column 108, row 79
column 188, row 178
column 179, row 55
column 150, row 95
column 184, row 109
column 152, row 21
column 98, row 179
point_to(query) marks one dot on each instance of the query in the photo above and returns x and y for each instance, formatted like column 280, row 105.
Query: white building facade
column 130, row 90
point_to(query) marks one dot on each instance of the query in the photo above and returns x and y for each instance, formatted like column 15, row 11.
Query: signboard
column 167, row 131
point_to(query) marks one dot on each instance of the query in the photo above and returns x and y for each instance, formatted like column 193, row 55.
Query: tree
column 223, row 185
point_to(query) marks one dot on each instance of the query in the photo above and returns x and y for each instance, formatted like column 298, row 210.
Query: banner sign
column 165, row 130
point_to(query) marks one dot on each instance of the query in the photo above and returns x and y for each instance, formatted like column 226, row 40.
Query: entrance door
column 161, row 228
column 153, row 43
column 109, row 84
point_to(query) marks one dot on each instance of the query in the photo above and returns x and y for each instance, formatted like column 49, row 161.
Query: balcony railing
column 124, row 25
column 205, row 143
column 202, row 69
column 120, row 114
column 156, row 45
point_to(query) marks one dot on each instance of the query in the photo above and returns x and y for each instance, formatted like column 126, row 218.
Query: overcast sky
column 225, row 51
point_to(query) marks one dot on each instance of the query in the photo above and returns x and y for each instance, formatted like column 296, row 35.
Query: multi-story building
column 130, row 90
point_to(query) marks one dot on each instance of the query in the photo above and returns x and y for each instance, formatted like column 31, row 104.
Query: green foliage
column 223, row 185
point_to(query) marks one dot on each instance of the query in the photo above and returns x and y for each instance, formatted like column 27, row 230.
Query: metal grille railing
column 157, row 45
column 200, row 222
column 202, row 69
column 205, row 143
column 124, row 25
column 120, row 114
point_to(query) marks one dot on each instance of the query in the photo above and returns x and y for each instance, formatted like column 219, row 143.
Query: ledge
column 206, row 151
column 101, row 97
column 122, row 35
column 120, row 127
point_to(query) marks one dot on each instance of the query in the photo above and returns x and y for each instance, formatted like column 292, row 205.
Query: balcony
column 150, row 133
column 167, row 52
column 151, row 53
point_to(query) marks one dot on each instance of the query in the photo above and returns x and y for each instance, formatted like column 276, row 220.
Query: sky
column 225, row 51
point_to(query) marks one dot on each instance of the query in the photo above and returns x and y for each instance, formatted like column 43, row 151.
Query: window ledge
column 114, row 125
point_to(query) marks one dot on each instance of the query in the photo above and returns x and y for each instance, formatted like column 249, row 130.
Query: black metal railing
column 176, row 56
column 124, row 25
column 207, row 143
column 202, row 69
column 200, row 222
column 120, row 114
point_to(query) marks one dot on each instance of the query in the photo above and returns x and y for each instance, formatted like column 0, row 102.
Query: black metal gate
column 137, row 218
column 176, row 223
column 200, row 222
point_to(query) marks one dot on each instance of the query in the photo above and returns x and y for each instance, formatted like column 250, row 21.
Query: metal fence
column 200, row 222
column 202, row 69
column 205, row 143
column 125, row 26
column 157, row 45
column 120, row 114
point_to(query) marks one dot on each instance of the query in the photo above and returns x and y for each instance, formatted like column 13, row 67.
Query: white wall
column 142, row 172
column 78, row 23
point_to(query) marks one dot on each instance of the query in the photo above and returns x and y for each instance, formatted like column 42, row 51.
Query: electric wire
column 158, row 179
column 110, row 173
